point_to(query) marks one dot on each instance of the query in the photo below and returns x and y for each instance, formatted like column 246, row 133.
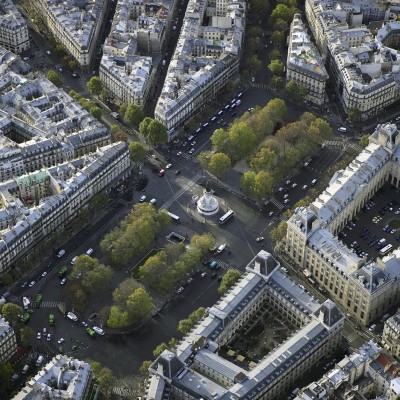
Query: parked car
column 142, row 198
column 260, row 239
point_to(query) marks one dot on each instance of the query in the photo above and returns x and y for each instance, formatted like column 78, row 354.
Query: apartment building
column 39, row 204
column 368, row 372
column 194, row 369
column 76, row 25
column 61, row 378
column 137, row 34
column 391, row 335
column 365, row 289
column 363, row 68
column 206, row 58
column 8, row 341
column 304, row 64
column 14, row 34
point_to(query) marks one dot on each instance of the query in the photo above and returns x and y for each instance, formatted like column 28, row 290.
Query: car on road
column 304, row 187
column 61, row 340
column 74, row 260
column 177, row 172
column 90, row 332
column 260, row 239
column 280, row 189
column 44, row 274
column 286, row 201
column 26, row 58
column 39, row 336
column 213, row 275
column 270, row 214
column 89, row 252
column 85, row 324
column 180, row 290
column 203, row 274
column 153, row 201
column 161, row 173
column 168, row 166
column 294, row 185
column 48, row 337
column 99, row 331
column 179, row 153
column 75, row 75
column 142, row 198
column 193, row 143
column 191, row 151
column 32, row 283
column 48, row 52
column 190, row 280
column 61, row 253
column 63, row 280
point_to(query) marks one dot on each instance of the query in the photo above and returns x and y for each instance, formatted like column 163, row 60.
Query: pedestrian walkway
column 50, row 304
column 352, row 336
column 354, row 146
column 225, row 266
column 337, row 143
column 260, row 86
column 275, row 202
column 124, row 392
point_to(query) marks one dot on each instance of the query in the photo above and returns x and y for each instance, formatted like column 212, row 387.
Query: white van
column 342, row 129
column 98, row 330
column 72, row 316
column 39, row 360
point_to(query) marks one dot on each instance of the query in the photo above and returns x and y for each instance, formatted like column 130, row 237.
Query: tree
column 276, row 110
column 7, row 279
column 278, row 233
column 202, row 242
column 134, row 114
column 95, row 85
column 296, row 91
column 219, row 164
column 364, row 141
column 121, row 137
column 242, row 141
column 280, row 25
column 144, row 368
column 277, row 82
column 276, row 67
column 254, row 64
column 139, row 304
column 247, row 181
column 54, row 78
column 185, row 325
column 282, row 12
column 229, row 279
column 114, row 129
column 99, row 200
column 263, row 184
column 137, row 151
column 117, row 318
column 6, row 372
column 122, row 110
column 11, row 312
column 264, row 159
column 105, row 93
column 219, row 139
column 204, row 158
column 96, row 112
column 104, row 377
column 27, row 336
column 277, row 38
column 159, row 349
column 354, row 114
column 157, row 133
column 144, row 126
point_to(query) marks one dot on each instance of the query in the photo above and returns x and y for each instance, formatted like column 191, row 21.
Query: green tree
column 27, row 336
column 173, row 342
column 11, row 312
column 247, row 181
column 54, row 78
column 259, row 7
column 6, row 372
column 204, row 158
column 7, row 279
column 95, row 85
column 276, row 67
column 228, row 280
column 364, row 141
column 278, row 233
column 134, row 114
column 118, row 318
column 219, row 164
column 144, row 368
column 263, row 184
column 122, row 110
column 264, row 159
column 254, row 64
column 296, row 91
column 354, row 114
column 99, row 200
column 277, row 38
column 280, row 25
column 159, row 349
column 242, row 141
column 219, row 139
column 144, row 126
column 105, row 93
column 202, row 242
column 139, row 304
column 276, row 110
column 96, row 112
column 282, row 12
column 157, row 133
column 104, row 377
column 123, row 291
column 185, row 325
column 277, row 82
column 137, row 151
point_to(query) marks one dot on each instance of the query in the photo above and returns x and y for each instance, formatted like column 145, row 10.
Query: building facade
column 304, row 64
column 391, row 335
column 194, row 369
column 14, row 35
column 365, row 289
column 8, row 341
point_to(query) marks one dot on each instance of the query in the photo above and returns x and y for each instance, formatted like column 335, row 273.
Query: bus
column 62, row 271
column 226, row 217
column 38, row 300
column 174, row 217
column 385, row 250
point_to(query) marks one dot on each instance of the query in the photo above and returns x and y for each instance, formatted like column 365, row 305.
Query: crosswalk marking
column 123, row 391
column 333, row 143
column 50, row 304
column 277, row 203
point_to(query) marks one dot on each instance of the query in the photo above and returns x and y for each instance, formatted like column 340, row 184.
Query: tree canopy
column 229, row 279
column 364, row 141
column 185, row 325
column 11, row 312
column 276, row 67
column 96, row 112
column 296, row 91
column 95, row 85
column 134, row 114
column 219, row 164
column 137, row 151
column 54, row 78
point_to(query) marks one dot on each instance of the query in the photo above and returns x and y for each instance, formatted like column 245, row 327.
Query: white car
column 193, row 143
column 84, row 324
column 179, row 153
column 98, row 330
column 153, row 201
column 39, row 336
column 180, row 290
column 143, row 198
column 63, row 281
column 89, row 252
column 286, row 201
column 260, row 239
column 61, row 253
column 271, row 214
column 61, row 340
column 48, row 337
column 32, row 283
column 294, row 185
column 304, row 187
column 44, row 274
column 74, row 260
column 26, row 58
column 191, row 151
column 203, row 274
column 168, row 166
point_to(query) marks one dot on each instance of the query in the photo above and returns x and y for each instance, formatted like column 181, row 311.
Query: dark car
column 213, row 275
column 177, row 172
